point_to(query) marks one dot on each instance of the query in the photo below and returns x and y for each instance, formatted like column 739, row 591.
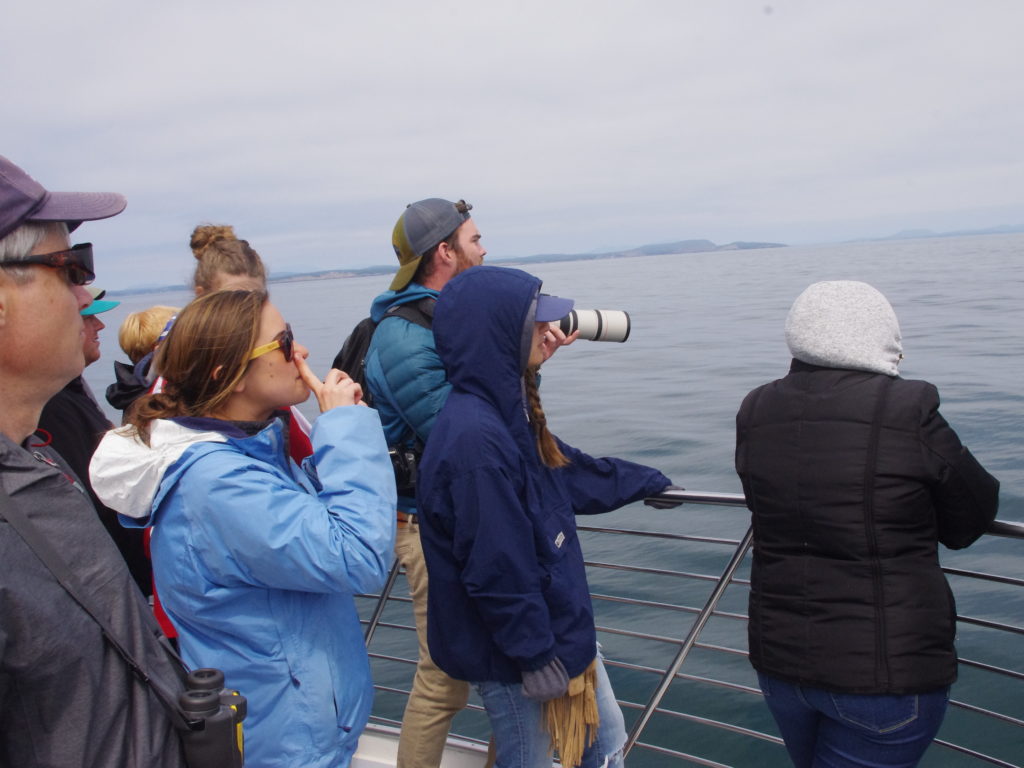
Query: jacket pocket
column 554, row 534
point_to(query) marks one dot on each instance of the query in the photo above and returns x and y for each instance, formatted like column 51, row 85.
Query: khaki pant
column 435, row 698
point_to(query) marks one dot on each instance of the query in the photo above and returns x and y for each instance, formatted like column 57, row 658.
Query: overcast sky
column 570, row 126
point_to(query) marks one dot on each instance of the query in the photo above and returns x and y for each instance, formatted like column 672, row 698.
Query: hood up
column 483, row 318
column 845, row 324
column 126, row 473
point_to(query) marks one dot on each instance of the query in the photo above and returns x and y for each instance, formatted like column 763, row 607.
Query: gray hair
column 19, row 244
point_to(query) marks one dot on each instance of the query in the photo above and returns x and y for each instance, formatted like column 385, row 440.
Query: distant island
column 920, row 234
column 657, row 249
column 681, row 247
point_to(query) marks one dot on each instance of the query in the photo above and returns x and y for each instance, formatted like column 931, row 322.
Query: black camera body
column 404, row 461
column 214, row 714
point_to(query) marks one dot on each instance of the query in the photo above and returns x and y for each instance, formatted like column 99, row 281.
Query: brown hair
column 203, row 357
column 140, row 330
column 428, row 263
column 547, row 446
column 220, row 253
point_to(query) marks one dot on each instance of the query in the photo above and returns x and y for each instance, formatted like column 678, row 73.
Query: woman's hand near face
column 555, row 338
column 336, row 390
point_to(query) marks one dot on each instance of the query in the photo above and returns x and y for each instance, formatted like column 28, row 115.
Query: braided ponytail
column 547, row 447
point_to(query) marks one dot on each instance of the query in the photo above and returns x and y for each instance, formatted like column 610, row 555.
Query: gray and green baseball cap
column 419, row 229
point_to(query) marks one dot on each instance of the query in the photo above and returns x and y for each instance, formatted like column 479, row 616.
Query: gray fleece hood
column 845, row 324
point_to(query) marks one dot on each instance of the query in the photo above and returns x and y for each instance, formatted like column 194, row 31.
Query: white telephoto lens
column 597, row 324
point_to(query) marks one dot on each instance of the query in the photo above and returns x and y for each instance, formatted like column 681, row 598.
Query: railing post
column 378, row 609
column 691, row 639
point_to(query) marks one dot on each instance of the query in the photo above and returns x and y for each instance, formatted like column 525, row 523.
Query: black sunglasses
column 284, row 341
column 75, row 261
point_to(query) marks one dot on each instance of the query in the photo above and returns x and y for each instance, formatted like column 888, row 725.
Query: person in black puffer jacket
column 853, row 478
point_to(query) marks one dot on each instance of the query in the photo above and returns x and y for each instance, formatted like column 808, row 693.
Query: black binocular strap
column 67, row 579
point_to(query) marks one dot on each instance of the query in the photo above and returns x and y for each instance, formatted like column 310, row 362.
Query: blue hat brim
column 98, row 306
column 551, row 308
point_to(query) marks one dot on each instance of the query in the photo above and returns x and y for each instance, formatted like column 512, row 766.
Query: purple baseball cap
column 23, row 199
column 551, row 308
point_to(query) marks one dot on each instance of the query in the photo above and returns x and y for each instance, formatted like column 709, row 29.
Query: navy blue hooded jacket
column 508, row 589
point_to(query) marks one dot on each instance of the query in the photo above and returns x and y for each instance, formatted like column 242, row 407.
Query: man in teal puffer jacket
column 434, row 240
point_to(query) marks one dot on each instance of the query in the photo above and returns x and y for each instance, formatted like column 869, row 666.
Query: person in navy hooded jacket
column 509, row 605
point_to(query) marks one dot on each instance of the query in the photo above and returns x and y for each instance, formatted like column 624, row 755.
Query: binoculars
column 214, row 715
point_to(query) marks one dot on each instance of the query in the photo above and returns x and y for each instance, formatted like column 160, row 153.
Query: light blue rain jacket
column 256, row 563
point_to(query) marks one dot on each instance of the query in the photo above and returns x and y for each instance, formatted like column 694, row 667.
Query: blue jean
column 842, row 730
column 520, row 739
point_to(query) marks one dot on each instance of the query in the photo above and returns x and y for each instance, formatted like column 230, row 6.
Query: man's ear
column 445, row 259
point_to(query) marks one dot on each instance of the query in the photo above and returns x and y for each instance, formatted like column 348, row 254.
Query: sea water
column 707, row 328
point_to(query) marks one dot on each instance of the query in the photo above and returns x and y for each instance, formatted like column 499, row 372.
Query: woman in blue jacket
column 255, row 559
column 509, row 606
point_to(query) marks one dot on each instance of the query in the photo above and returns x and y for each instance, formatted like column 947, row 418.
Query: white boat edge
column 378, row 748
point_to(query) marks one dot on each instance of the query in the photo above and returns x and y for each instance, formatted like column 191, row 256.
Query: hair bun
column 206, row 235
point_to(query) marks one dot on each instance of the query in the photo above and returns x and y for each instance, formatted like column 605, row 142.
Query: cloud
column 570, row 125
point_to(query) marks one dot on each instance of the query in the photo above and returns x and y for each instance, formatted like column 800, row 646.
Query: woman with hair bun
column 225, row 262
column 255, row 559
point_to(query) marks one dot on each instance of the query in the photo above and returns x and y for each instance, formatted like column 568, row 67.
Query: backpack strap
column 67, row 579
column 420, row 312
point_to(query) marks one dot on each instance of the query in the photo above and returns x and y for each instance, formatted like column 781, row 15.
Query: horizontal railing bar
column 984, row 576
column 1009, row 719
column 714, row 681
column 719, row 724
column 988, row 624
column 981, row 577
column 387, row 657
column 712, row 498
column 641, row 602
column 992, row 668
column 978, row 755
column 722, row 649
column 681, row 755
column 1008, row 528
column 392, row 625
column 652, row 571
column 665, row 535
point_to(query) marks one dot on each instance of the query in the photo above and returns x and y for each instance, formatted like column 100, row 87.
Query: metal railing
column 738, row 731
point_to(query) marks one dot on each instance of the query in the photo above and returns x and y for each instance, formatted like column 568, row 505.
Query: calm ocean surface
column 707, row 328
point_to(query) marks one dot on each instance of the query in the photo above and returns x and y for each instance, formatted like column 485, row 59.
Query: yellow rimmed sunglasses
column 285, row 341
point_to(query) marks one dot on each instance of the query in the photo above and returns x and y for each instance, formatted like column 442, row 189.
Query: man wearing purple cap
column 67, row 697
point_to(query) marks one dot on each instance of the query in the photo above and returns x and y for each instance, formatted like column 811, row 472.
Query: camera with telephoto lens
column 597, row 324
column 214, row 714
column 404, row 461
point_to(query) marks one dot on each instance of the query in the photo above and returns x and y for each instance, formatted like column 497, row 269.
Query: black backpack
column 352, row 357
